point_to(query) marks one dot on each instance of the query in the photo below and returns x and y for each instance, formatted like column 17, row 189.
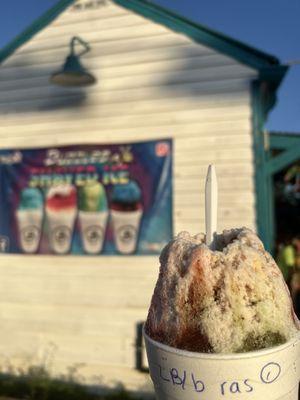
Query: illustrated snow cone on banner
column 90, row 199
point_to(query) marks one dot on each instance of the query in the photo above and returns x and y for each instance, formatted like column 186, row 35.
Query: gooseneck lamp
column 73, row 74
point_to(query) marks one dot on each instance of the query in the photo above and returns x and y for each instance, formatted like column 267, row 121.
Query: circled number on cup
column 127, row 233
column 30, row 233
column 94, row 233
column 270, row 372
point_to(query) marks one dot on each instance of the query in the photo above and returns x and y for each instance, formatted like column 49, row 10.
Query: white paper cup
column 29, row 227
column 259, row 375
column 126, row 229
column 92, row 228
column 60, row 229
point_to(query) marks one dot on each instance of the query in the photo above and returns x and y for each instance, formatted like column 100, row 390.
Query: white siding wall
column 152, row 83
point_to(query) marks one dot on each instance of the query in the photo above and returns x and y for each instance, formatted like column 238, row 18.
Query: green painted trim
column 257, row 127
column 263, row 184
column 277, row 163
column 40, row 23
column 270, row 205
column 273, row 77
column 201, row 34
column 273, row 74
column 283, row 141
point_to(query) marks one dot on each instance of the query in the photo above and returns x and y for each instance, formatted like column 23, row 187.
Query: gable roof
column 269, row 67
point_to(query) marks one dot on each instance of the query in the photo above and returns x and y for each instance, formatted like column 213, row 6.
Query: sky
column 269, row 25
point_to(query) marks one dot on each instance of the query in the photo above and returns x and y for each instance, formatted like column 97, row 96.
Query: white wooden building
column 158, row 75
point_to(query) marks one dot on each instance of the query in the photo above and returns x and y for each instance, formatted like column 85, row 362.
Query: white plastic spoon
column 211, row 206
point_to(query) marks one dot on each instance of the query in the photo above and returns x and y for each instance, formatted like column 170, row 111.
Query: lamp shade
column 73, row 74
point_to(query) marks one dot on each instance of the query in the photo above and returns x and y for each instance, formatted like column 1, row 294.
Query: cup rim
column 228, row 356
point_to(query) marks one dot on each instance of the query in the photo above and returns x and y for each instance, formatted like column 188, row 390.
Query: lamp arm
column 82, row 42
